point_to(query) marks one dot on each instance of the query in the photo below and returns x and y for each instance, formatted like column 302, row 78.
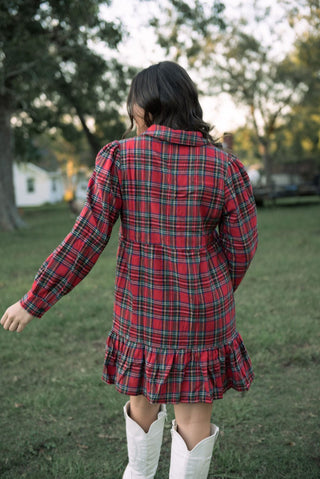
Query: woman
column 188, row 234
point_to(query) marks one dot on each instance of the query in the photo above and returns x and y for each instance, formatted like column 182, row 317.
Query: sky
column 140, row 48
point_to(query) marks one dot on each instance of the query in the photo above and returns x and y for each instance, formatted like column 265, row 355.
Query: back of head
column 168, row 97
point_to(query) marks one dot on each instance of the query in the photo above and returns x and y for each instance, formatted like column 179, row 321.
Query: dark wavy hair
column 168, row 97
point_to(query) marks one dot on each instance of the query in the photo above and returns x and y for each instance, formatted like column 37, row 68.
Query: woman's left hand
column 16, row 318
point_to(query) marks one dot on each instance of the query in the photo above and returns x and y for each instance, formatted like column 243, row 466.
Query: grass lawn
column 59, row 420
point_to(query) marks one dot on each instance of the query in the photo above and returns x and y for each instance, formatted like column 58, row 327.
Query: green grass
column 59, row 420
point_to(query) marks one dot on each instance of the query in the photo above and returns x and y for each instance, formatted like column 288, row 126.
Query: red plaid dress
column 188, row 233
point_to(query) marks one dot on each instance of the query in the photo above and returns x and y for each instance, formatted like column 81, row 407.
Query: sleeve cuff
column 34, row 305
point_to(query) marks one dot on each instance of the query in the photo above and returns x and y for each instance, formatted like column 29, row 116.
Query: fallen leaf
column 83, row 446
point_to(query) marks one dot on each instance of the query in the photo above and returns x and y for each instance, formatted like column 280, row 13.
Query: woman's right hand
column 16, row 318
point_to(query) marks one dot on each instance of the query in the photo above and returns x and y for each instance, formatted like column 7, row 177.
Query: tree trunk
column 92, row 140
column 66, row 91
column 9, row 216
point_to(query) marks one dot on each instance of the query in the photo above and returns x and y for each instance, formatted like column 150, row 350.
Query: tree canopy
column 246, row 58
column 51, row 77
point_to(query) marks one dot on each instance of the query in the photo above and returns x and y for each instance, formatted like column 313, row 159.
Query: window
column 30, row 185
column 54, row 185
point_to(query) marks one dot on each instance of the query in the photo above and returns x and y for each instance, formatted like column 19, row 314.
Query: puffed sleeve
column 72, row 260
column 238, row 225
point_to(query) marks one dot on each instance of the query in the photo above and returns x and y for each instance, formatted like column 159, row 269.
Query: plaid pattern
column 188, row 234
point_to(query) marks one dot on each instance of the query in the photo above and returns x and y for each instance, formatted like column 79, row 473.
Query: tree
column 236, row 60
column 246, row 145
column 266, row 86
column 183, row 26
column 50, row 77
column 299, row 137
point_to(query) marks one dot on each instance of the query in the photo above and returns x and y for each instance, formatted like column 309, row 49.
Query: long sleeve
column 238, row 224
column 72, row 260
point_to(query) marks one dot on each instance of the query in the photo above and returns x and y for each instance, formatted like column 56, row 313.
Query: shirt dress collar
column 181, row 137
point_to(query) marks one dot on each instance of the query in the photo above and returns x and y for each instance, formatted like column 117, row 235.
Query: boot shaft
column 192, row 464
column 143, row 447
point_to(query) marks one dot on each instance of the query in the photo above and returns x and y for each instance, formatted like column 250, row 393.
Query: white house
column 81, row 188
column 35, row 186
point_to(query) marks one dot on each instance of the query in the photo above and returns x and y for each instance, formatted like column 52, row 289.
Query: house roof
column 36, row 169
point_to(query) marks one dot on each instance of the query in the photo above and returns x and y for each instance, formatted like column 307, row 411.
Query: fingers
column 4, row 319
column 7, row 322
column 20, row 328
column 15, row 318
column 12, row 325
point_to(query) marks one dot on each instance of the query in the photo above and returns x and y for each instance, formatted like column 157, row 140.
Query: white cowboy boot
column 192, row 464
column 143, row 448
